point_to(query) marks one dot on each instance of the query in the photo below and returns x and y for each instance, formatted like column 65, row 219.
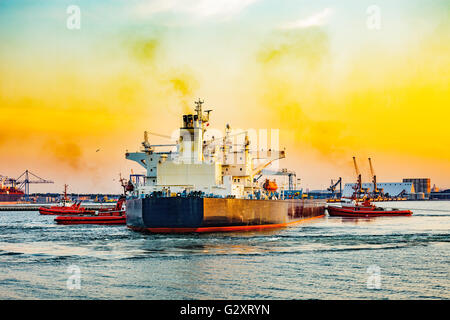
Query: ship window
column 151, row 169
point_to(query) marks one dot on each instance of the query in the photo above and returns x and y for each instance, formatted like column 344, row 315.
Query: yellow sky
column 70, row 115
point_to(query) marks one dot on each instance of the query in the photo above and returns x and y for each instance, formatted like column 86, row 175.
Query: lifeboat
column 129, row 187
column 366, row 209
column 270, row 185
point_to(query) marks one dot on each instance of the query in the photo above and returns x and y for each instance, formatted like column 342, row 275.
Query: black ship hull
column 191, row 214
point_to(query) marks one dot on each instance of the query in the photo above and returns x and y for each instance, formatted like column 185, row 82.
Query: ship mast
column 204, row 119
column 65, row 200
column 198, row 107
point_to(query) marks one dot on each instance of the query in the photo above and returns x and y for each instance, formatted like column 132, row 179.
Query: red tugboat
column 55, row 210
column 366, row 209
column 65, row 207
column 114, row 216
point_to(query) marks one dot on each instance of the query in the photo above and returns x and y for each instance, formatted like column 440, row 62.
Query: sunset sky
column 337, row 78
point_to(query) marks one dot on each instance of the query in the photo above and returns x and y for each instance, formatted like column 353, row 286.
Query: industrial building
column 390, row 189
column 322, row 194
column 440, row 195
column 422, row 185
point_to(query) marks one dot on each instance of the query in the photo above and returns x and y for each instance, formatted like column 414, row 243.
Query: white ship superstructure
column 216, row 167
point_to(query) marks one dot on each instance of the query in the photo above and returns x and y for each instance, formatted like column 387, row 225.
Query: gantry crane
column 23, row 181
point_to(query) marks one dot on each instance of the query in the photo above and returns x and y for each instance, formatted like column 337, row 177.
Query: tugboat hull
column 110, row 219
column 361, row 212
column 191, row 214
column 63, row 211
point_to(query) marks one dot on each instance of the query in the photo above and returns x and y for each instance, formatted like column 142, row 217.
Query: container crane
column 4, row 180
column 24, row 181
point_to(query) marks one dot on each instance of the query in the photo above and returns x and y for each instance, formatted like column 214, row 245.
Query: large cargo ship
column 210, row 185
column 9, row 194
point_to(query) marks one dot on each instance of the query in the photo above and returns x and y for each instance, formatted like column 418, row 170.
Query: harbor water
column 330, row 258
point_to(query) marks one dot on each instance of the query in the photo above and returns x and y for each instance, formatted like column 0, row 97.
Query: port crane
column 333, row 186
column 358, row 187
column 375, row 192
column 6, row 180
column 401, row 194
column 27, row 177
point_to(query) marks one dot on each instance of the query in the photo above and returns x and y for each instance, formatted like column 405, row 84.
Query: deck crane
column 270, row 155
column 149, row 148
